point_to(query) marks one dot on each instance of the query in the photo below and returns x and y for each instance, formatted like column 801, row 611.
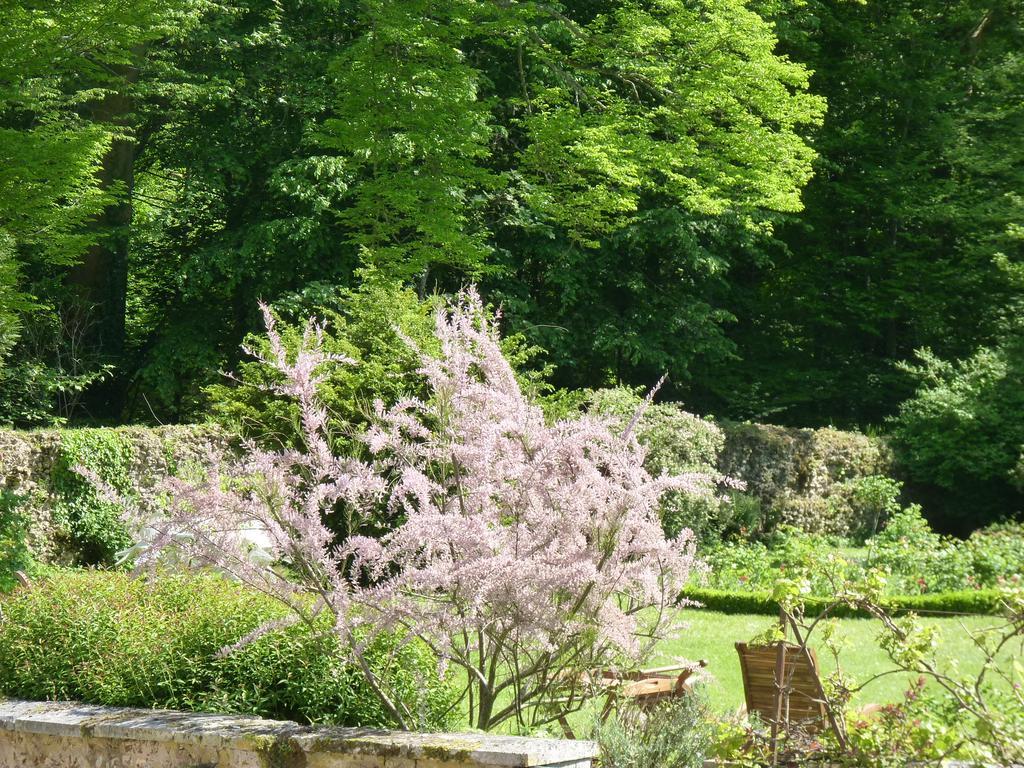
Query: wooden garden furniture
column 644, row 687
column 781, row 684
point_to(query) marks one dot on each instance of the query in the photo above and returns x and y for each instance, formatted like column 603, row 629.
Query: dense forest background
column 806, row 212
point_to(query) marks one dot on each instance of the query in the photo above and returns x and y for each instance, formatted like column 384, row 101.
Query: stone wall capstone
column 69, row 735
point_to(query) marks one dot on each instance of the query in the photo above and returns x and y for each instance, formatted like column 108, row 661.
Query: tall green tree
column 915, row 202
column 65, row 150
column 519, row 143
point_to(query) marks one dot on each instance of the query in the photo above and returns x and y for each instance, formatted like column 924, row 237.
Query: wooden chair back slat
column 801, row 684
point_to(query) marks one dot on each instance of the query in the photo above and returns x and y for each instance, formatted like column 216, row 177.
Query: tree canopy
column 777, row 202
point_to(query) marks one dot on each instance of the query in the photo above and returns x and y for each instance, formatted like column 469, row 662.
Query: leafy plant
column 915, row 559
column 963, row 430
column 365, row 325
column 91, row 523
column 109, row 638
column 677, row 733
column 15, row 554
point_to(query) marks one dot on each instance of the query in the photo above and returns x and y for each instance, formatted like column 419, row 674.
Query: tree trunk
column 100, row 279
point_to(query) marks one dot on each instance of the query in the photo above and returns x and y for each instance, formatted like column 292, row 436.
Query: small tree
column 523, row 553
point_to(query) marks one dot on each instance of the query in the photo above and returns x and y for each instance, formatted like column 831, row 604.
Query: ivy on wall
column 65, row 519
column 90, row 523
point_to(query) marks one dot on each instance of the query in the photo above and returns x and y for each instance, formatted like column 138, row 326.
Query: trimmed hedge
column 108, row 638
column 974, row 601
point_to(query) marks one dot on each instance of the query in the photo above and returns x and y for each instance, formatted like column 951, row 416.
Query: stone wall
column 34, row 465
column 67, row 735
column 790, row 472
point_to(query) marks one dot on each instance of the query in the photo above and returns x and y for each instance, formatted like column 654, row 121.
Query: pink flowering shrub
column 525, row 554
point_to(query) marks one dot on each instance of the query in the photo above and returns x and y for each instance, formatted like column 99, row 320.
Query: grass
column 711, row 636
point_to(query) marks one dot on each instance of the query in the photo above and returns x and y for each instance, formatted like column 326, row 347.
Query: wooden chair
column 781, row 684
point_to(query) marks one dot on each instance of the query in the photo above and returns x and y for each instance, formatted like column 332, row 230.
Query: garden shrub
column 677, row 442
column 963, row 432
column 372, row 325
column 996, row 552
column 676, row 733
column 917, row 560
column 912, row 557
column 107, row 638
column 756, row 565
column 361, row 324
column 824, row 481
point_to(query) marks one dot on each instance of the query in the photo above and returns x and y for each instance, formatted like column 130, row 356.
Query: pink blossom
column 526, row 552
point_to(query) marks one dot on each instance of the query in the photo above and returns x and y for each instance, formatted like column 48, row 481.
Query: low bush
column 971, row 601
column 914, row 560
column 107, row 638
column 756, row 565
column 673, row 734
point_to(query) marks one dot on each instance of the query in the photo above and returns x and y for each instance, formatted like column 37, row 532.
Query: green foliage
column 677, row 442
column 788, row 552
column 673, row 734
column 907, row 554
column 920, row 725
column 60, row 60
column 913, row 211
column 854, row 508
column 985, row 602
column 362, row 325
column 825, row 481
column 997, row 552
column 378, row 326
column 915, row 559
column 963, row 431
column 106, row 638
column 14, row 552
column 437, row 141
column 53, row 367
column 91, row 523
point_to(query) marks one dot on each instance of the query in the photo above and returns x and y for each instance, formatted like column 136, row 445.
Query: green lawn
column 711, row 635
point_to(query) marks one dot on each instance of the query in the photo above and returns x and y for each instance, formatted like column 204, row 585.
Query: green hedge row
column 975, row 601
column 108, row 638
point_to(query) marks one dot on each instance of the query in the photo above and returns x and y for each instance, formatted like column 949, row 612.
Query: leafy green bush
column 106, row 638
column 819, row 480
column 14, row 551
column 996, row 552
column 674, row 734
column 912, row 557
column 677, row 442
column 755, row 565
column 917, row 560
column 372, row 325
column 963, row 432
column 361, row 324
